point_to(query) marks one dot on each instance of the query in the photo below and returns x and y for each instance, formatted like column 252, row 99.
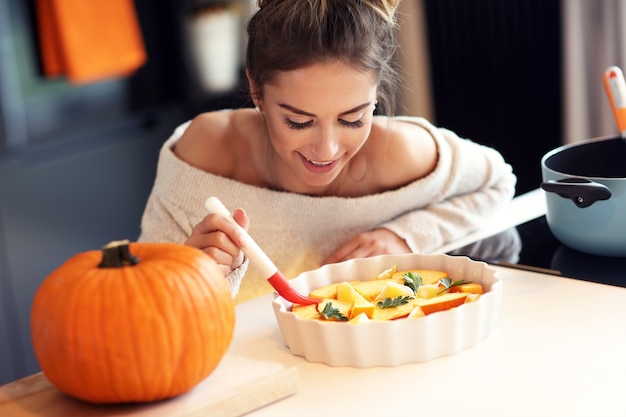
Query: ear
column 255, row 92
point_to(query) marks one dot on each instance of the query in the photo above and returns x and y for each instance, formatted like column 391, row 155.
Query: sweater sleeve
column 478, row 183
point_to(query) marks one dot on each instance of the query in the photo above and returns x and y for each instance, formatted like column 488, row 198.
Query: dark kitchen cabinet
column 61, row 201
column 496, row 71
column 11, row 362
column 77, row 162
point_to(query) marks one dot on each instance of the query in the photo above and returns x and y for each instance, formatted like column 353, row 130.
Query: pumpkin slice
column 325, row 292
column 337, row 310
column 471, row 297
column 472, row 288
column 429, row 276
column 392, row 313
column 416, row 313
column 305, row 311
column 442, row 302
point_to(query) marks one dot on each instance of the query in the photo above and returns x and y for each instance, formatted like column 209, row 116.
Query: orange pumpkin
column 135, row 322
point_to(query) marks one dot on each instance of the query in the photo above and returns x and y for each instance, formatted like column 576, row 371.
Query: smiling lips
column 318, row 167
column 319, row 164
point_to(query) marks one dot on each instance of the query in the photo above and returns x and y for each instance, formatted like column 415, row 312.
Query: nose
column 325, row 146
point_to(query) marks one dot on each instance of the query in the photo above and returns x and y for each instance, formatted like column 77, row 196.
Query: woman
column 321, row 178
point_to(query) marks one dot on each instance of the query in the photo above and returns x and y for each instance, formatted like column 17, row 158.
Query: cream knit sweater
column 469, row 184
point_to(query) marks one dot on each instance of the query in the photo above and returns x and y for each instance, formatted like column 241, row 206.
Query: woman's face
column 318, row 117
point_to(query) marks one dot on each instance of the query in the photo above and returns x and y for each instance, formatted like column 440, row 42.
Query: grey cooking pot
column 585, row 184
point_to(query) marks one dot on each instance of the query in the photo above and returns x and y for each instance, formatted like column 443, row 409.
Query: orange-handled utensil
column 262, row 262
column 615, row 87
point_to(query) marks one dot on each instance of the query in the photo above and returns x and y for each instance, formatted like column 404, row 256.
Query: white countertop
column 557, row 350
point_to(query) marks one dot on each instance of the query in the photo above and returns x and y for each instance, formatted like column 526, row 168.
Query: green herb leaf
column 413, row 281
column 394, row 302
column 448, row 283
column 329, row 312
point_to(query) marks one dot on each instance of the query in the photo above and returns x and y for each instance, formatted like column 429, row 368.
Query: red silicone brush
column 262, row 262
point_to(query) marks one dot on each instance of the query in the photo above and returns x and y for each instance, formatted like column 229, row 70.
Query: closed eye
column 298, row 126
column 355, row 125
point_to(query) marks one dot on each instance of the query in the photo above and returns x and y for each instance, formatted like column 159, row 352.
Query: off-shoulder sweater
column 298, row 232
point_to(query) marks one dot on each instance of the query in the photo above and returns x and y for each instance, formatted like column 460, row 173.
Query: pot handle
column 581, row 191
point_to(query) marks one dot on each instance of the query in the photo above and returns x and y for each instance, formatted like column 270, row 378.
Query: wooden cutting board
column 237, row 386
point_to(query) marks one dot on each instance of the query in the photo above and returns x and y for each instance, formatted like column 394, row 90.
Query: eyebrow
column 304, row 113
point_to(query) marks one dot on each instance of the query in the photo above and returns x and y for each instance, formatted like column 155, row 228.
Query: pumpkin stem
column 117, row 254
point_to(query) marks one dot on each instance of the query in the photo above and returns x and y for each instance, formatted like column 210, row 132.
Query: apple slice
column 346, row 292
column 370, row 289
column 393, row 290
column 359, row 318
column 429, row 290
column 387, row 273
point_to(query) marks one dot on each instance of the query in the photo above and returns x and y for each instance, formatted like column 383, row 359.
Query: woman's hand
column 220, row 239
column 377, row 242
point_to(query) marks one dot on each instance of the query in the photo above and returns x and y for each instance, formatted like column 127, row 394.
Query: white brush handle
column 250, row 248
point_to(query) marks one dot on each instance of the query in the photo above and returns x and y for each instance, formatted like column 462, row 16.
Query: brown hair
column 288, row 34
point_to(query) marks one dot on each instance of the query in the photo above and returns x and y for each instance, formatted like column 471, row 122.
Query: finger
column 219, row 238
column 242, row 218
column 216, row 244
column 230, row 259
column 214, row 222
column 345, row 252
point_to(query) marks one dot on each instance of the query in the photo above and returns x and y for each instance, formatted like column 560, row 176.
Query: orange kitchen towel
column 89, row 40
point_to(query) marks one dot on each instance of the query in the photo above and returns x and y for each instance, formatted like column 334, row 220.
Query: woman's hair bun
column 386, row 8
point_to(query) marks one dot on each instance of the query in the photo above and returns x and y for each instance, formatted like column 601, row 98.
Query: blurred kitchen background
column 77, row 159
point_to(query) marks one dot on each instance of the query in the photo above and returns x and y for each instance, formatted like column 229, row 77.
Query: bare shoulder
column 210, row 142
column 409, row 150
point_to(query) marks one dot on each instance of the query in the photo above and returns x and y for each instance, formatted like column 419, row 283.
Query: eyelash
column 355, row 125
column 299, row 126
